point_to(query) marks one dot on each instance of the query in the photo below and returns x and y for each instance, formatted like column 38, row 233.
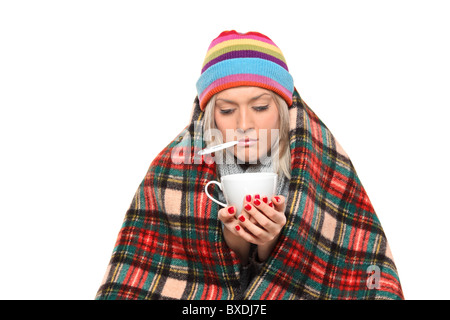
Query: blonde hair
column 281, row 154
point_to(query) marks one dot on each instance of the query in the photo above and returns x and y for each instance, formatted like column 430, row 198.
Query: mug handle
column 209, row 196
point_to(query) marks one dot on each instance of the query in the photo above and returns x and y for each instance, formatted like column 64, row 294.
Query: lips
column 247, row 141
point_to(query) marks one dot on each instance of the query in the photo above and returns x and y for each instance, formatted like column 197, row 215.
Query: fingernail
column 247, row 207
column 248, row 198
column 238, row 228
column 257, row 202
column 257, row 196
column 264, row 199
column 242, row 218
column 277, row 199
column 231, row 210
column 270, row 204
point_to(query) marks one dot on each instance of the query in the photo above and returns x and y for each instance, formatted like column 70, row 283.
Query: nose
column 245, row 121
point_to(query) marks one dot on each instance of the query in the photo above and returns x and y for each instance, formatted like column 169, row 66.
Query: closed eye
column 261, row 108
column 226, row 111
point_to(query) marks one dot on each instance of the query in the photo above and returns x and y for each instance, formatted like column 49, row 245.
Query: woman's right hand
column 234, row 241
column 228, row 217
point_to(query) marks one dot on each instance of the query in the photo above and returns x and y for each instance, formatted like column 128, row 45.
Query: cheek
column 275, row 121
column 271, row 119
column 269, row 123
column 220, row 122
column 224, row 124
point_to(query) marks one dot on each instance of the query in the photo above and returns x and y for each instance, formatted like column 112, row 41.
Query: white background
column 91, row 91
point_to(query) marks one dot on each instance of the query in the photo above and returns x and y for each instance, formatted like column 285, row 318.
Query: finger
column 263, row 225
column 228, row 217
column 268, row 211
column 227, row 214
column 246, row 235
column 258, row 218
column 279, row 203
column 244, row 215
column 247, row 199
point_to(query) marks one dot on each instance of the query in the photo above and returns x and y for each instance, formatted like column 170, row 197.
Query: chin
column 248, row 156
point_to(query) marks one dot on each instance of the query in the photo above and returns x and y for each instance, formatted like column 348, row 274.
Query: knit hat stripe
column 243, row 47
column 237, row 42
column 245, row 54
column 251, row 80
column 246, row 66
column 237, row 36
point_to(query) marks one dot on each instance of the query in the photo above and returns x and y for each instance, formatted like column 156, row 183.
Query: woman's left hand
column 261, row 220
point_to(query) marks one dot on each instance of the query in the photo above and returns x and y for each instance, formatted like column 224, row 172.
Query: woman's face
column 249, row 115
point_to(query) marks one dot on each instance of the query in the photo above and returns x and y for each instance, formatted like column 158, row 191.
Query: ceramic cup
column 236, row 186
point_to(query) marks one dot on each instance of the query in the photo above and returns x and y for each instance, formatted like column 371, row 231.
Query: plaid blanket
column 171, row 244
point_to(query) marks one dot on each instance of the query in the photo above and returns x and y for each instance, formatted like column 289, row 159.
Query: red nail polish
column 270, row 204
column 242, row 218
column 264, row 199
column 231, row 210
column 257, row 202
column 248, row 198
column 238, row 228
column 257, row 196
column 277, row 199
column 247, row 207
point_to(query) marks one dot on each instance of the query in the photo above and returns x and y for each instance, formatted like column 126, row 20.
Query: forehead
column 243, row 94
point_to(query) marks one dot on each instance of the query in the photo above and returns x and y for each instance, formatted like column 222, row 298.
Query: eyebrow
column 252, row 99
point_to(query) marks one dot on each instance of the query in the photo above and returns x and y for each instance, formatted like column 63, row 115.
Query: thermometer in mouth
column 218, row 147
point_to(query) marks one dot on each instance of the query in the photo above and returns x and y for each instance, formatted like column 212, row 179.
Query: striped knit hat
column 244, row 59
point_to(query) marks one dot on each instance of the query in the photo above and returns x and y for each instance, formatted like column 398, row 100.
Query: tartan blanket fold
column 171, row 244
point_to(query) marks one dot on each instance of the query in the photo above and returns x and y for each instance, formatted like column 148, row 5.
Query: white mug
column 236, row 186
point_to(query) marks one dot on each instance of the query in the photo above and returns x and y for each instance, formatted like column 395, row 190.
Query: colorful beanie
column 244, row 59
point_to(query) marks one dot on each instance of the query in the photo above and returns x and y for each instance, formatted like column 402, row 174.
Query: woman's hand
column 261, row 220
column 234, row 241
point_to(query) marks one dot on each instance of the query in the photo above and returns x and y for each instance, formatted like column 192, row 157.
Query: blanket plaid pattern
column 171, row 244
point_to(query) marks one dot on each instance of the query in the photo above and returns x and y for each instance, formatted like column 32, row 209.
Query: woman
column 318, row 238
